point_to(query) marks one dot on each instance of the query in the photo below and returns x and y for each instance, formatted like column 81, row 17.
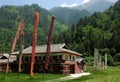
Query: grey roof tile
column 55, row 48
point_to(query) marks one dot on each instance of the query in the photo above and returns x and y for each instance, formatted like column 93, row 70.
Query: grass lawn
column 15, row 77
column 111, row 74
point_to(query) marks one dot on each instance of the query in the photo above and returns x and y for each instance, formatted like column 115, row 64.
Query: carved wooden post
column 105, row 60
column 96, row 63
column 100, row 62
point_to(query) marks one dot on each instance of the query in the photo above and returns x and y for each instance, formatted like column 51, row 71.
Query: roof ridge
column 63, row 44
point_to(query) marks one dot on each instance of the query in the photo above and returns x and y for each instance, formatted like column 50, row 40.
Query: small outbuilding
column 4, row 59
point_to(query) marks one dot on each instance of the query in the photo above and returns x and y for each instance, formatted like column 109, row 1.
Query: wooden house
column 4, row 60
column 62, row 60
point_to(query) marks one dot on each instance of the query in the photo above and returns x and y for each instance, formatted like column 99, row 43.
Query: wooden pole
column 49, row 42
column 14, row 44
column 21, row 48
column 34, row 43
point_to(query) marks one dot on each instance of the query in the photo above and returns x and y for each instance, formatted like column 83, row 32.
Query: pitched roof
column 55, row 48
column 4, row 58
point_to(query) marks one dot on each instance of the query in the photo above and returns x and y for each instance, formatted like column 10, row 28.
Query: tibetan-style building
column 62, row 60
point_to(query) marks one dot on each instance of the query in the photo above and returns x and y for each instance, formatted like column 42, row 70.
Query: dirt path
column 72, row 76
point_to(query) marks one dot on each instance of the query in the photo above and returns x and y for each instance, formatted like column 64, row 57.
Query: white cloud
column 112, row 0
column 67, row 5
column 85, row 1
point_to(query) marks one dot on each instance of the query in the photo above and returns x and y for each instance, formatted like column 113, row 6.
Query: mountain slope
column 101, row 31
column 68, row 16
column 95, row 6
column 10, row 17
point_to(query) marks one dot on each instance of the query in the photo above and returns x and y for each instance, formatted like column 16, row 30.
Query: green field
column 112, row 74
column 15, row 77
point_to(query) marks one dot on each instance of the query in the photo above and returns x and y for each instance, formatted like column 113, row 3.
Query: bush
column 110, row 60
column 89, row 60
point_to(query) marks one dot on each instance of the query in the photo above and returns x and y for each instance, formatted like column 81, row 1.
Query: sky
column 47, row 4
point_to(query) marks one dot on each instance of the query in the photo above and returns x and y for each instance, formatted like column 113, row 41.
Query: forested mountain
column 95, row 6
column 10, row 17
column 101, row 31
column 68, row 16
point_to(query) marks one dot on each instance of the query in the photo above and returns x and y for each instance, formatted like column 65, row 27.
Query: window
column 27, row 59
column 36, row 58
column 39, row 58
column 74, row 58
column 55, row 58
column 23, row 58
column 70, row 57
column 44, row 57
column 60, row 57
